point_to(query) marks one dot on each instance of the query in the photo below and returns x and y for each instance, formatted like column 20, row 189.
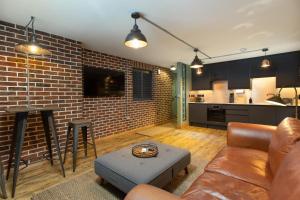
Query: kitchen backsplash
column 261, row 88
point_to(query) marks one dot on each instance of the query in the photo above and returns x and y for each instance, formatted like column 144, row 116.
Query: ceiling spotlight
column 265, row 63
column 197, row 63
column 31, row 46
column 135, row 39
column 173, row 68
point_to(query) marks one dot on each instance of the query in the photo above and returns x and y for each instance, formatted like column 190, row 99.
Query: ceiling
column 215, row 27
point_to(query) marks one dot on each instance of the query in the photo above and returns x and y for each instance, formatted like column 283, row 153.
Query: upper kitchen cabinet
column 238, row 74
column 203, row 81
column 218, row 71
column 288, row 69
column 257, row 72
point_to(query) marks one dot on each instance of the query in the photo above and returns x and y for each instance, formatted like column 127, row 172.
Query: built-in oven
column 216, row 114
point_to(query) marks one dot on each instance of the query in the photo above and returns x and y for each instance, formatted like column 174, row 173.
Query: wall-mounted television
column 99, row 82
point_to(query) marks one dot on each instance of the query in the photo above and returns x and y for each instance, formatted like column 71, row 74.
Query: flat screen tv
column 98, row 82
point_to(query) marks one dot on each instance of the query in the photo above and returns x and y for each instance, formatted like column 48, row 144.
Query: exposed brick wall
column 109, row 113
column 58, row 80
column 54, row 80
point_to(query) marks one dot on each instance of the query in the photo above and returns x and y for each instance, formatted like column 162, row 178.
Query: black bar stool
column 76, row 125
column 2, row 182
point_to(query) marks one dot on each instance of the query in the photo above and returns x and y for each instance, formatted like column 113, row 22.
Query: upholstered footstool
column 124, row 171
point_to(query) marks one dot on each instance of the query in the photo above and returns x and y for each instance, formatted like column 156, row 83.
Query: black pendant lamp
column 197, row 63
column 31, row 46
column 135, row 39
column 265, row 63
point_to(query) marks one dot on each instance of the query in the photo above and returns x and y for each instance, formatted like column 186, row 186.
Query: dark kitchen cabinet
column 218, row 71
column 203, row 81
column 238, row 74
column 288, row 69
column 263, row 115
column 284, row 111
column 257, row 72
column 197, row 113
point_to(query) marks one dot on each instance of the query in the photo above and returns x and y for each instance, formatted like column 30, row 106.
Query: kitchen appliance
column 216, row 115
column 200, row 98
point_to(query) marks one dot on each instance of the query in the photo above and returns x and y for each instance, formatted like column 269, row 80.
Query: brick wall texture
column 57, row 80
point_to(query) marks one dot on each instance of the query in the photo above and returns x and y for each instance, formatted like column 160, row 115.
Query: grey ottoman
column 124, row 171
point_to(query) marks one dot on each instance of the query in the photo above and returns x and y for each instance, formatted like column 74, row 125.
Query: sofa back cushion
column 286, row 183
column 282, row 141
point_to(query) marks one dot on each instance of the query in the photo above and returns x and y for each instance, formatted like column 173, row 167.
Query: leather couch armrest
column 148, row 192
column 246, row 135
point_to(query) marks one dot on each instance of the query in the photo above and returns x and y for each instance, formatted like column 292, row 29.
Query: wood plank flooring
column 203, row 144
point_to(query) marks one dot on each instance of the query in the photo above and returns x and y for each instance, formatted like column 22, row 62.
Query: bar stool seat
column 76, row 125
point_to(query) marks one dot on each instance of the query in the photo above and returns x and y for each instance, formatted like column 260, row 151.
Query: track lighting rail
column 172, row 35
column 233, row 54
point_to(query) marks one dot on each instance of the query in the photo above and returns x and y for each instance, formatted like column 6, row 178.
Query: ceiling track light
column 135, row 39
column 31, row 46
column 196, row 63
column 265, row 63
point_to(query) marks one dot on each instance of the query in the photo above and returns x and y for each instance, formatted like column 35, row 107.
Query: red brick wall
column 58, row 80
column 109, row 113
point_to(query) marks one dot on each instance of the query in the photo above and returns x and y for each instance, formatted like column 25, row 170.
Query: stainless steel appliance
column 216, row 115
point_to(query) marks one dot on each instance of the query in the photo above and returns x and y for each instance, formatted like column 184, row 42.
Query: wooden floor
column 202, row 142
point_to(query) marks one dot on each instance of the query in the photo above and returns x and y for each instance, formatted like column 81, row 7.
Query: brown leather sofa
column 259, row 162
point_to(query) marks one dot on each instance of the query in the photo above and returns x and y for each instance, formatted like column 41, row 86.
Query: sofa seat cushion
column 248, row 165
column 218, row 186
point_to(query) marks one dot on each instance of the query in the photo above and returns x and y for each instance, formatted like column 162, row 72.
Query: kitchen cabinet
column 218, row 71
column 285, row 66
column 257, row 114
column 263, row 114
column 288, row 69
column 197, row 113
column 257, row 72
column 283, row 112
column 238, row 75
column 203, row 81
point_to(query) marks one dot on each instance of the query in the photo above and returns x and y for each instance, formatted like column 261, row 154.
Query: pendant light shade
column 197, row 63
column 265, row 63
column 32, row 47
column 135, row 39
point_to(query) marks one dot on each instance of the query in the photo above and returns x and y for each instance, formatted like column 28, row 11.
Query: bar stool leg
column 48, row 139
column 2, row 182
column 48, row 118
column 75, row 144
column 67, row 142
column 84, row 137
column 12, row 149
column 21, row 119
column 93, row 139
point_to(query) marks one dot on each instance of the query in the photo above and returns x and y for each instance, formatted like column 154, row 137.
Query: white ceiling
column 216, row 27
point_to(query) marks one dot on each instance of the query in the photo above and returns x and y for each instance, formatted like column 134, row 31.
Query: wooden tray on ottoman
column 145, row 150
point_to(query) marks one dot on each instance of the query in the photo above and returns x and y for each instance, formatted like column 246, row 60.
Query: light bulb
column 33, row 49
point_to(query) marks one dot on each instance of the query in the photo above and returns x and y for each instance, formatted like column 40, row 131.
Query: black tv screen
column 99, row 82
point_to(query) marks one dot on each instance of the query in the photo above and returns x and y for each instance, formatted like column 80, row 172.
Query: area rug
column 84, row 187
column 150, row 132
